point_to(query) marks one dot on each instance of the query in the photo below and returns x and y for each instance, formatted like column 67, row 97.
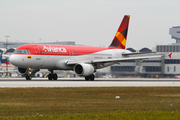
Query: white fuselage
column 58, row 62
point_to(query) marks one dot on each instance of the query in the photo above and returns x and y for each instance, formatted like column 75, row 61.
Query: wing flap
column 139, row 53
column 126, row 59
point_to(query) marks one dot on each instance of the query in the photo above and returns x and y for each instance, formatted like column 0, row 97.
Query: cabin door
column 38, row 55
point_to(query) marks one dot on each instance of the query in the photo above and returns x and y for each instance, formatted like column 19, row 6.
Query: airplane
column 83, row 60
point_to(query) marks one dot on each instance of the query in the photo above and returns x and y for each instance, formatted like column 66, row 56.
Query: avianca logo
column 53, row 49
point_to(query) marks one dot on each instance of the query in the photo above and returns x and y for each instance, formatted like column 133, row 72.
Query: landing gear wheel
column 87, row 78
column 50, row 76
column 55, row 76
column 28, row 77
column 91, row 77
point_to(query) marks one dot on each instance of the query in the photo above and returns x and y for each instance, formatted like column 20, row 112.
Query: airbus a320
column 83, row 60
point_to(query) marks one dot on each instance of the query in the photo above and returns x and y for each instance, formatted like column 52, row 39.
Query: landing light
column 30, row 72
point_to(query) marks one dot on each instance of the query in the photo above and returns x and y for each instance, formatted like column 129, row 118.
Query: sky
column 89, row 22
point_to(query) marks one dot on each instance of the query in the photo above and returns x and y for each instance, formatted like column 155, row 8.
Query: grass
column 90, row 103
column 106, row 116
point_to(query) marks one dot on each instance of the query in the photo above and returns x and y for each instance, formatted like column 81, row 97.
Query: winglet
column 170, row 55
column 120, row 38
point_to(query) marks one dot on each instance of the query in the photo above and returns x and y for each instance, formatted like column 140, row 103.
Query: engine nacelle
column 83, row 69
column 26, row 71
column 22, row 70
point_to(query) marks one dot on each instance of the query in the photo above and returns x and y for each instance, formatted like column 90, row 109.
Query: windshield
column 22, row 51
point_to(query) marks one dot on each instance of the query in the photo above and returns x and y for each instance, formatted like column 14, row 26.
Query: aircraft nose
column 12, row 59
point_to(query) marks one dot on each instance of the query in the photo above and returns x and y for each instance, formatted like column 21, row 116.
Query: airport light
column 6, row 51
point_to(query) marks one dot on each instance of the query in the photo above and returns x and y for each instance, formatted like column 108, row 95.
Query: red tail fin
column 120, row 38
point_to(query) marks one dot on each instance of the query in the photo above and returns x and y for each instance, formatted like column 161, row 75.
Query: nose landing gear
column 28, row 77
column 29, row 73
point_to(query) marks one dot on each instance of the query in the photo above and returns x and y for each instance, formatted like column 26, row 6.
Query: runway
column 80, row 82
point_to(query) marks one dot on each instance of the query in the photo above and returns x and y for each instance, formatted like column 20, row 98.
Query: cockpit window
column 22, row 51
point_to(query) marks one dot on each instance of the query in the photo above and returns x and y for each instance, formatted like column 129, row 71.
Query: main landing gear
column 52, row 76
column 90, row 77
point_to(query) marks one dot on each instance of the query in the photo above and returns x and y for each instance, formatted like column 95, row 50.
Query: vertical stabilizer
column 120, row 38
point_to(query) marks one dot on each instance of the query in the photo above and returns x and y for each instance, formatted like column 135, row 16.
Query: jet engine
column 83, row 69
column 28, row 71
column 22, row 70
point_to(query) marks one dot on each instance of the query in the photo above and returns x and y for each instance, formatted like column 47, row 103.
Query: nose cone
column 13, row 60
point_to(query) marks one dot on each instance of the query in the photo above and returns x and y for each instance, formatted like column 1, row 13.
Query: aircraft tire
column 55, row 76
column 91, row 77
column 50, row 76
column 28, row 77
column 87, row 78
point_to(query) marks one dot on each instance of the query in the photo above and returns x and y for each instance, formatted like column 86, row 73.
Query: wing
column 139, row 53
column 112, row 60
